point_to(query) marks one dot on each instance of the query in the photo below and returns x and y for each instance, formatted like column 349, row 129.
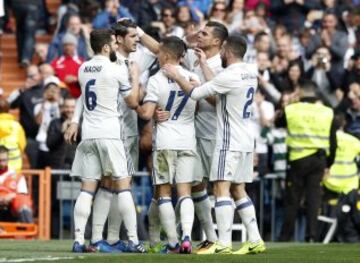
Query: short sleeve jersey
column 101, row 83
column 177, row 133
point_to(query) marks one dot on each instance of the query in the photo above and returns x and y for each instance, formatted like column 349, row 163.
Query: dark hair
column 168, row 8
column 175, row 46
column 236, row 43
column 3, row 149
column 4, row 106
column 99, row 38
column 121, row 28
column 339, row 120
column 218, row 30
column 259, row 35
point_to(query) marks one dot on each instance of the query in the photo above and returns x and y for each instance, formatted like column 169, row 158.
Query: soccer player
column 232, row 164
column 174, row 149
column 127, row 36
column 101, row 152
column 204, row 61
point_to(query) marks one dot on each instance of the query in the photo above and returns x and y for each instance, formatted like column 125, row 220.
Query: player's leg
column 202, row 204
column 244, row 206
column 101, row 210
column 162, row 177
column 154, row 222
column 87, row 166
column 82, row 210
column 167, row 218
column 114, row 218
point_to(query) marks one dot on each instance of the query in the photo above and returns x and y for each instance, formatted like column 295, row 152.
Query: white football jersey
column 205, row 119
column 177, row 133
column 144, row 59
column 101, row 82
column 235, row 86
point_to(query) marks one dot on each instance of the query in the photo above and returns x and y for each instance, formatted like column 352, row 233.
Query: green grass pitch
column 59, row 251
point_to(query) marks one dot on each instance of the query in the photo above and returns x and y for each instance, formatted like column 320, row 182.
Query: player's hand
column 201, row 55
column 161, row 115
column 71, row 133
column 170, row 71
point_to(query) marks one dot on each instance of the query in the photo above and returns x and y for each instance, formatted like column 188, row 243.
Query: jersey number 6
column 250, row 97
column 90, row 96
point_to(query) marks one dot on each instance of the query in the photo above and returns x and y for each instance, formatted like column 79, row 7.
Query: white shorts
column 95, row 158
column 132, row 152
column 173, row 166
column 233, row 166
column 205, row 150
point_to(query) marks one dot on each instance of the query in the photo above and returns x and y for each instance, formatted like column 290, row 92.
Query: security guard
column 311, row 145
column 343, row 175
column 12, row 136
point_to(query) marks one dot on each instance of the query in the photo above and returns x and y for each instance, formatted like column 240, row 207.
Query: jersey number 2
column 181, row 106
column 90, row 96
column 250, row 97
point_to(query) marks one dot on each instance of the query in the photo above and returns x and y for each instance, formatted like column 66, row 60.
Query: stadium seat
column 18, row 230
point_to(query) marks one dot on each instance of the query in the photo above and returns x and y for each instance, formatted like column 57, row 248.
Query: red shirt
column 67, row 65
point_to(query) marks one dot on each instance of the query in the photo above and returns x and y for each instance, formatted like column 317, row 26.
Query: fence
column 68, row 189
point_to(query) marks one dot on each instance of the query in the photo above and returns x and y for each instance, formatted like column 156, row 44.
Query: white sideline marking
column 49, row 258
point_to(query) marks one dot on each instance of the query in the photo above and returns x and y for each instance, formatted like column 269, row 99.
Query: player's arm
column 207, row 72
column 71, row 132
column 148, row 41
column 132, row 99
column 147, row 110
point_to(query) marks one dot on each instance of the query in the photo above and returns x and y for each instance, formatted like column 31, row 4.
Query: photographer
column 324, row 75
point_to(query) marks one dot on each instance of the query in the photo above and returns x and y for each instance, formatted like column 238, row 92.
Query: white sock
column 246, row 211
column 82, row 210
column 203, row 212
column 224, row 212
column 154, row 223
column 128, row 214
column 186, row 215
column 114, row 221
column 101, row 209
column 167, row 218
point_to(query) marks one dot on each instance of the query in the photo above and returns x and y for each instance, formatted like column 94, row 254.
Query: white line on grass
column 49, row 258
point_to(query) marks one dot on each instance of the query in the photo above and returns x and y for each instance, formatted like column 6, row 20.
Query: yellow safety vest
column 344, row 172
column 12, row 136
column 308, row 128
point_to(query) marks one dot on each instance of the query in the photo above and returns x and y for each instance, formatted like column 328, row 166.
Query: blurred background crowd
column 292, row 41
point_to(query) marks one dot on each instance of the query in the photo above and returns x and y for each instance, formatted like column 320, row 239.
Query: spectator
column 263, row 113
column 146, row 11
column 167, row 25
column 183, row 16
column 352, row 111
column 26, row 14
column 12, row 136
column 44, row 113
column 41, row 50
column 336, row 41
column 324, row 75
column 46, row 70
column 269, row 90
column 235, row 14
column 15, row 201
column 291, row 13
column 79, row 30
column 218, row 12
column 111, row 13
column 262, row 43
column 352, row 74
column 61, row 154
column 66, row 67
column 253, row 4
column 295, row 75
column 25, row 99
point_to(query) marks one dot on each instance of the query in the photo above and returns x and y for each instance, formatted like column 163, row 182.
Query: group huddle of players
column 201, row 99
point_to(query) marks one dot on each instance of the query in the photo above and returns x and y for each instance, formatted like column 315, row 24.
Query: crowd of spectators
column 292, row 42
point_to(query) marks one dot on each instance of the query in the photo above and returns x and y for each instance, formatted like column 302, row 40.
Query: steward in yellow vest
column 311, row 143
column 12, row 136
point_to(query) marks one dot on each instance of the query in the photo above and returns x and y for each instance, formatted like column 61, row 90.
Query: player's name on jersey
column 92, row 69
column 246, row 76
